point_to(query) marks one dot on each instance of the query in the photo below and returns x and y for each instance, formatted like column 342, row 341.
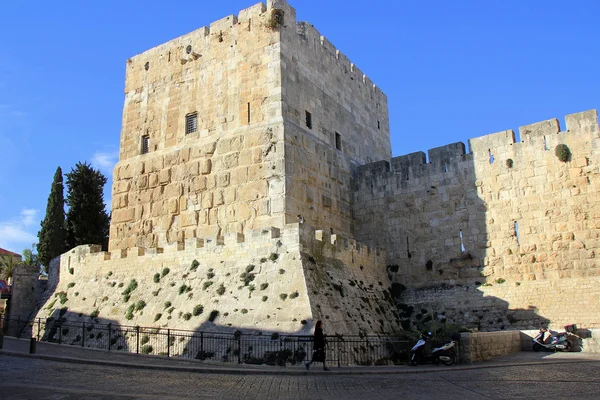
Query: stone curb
column 252, row 371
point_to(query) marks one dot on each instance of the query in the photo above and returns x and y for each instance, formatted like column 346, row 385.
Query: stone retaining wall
column 485, row 345
column 482, row 346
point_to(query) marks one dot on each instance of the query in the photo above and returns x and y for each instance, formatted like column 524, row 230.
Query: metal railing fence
column 235, row 347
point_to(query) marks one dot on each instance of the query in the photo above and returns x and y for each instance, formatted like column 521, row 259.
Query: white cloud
column 16, row 234
column 105, row 162
column 28, row 216
column 17, row 113
column 10, row 111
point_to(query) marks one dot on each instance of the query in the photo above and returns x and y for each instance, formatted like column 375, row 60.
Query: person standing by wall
column 318, row 346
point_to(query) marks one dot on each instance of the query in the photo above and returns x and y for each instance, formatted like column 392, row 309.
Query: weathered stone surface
column 293, row 133
column 284, row 279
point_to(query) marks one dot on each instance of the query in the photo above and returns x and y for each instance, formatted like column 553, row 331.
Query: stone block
column 142, row 182
column 198, row 184
column 239, row 176
column 253, row 191
column 243, row 212
column 205, row 166
column 153, row 180
column 173, row 206
column 124, row 215
column 223, row 179
column 173, row 190
column 121, row 187
column 183, row 203
column 231, row 161
column 219, row 197
column 135, row 252
column 194, row 243
column 207, row 200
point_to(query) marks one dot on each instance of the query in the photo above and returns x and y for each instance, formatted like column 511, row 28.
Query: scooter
column 557, row 342
column 445, row 354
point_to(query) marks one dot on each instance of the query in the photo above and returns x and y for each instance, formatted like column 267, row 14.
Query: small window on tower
column 191, row 123
column 308, row 120
column 338, row 141
column 145, row 144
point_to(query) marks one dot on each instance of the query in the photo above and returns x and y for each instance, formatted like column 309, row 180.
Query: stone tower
column 234, row 187
column 242, row 125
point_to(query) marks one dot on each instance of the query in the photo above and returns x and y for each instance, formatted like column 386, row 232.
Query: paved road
column 34, row 378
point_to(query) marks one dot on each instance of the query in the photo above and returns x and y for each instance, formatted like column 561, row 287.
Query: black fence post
column 137, row 336
column 32, row 344
column 109, row 336
column 83, row 334
column 18, row 327
column 59, row 331
column 168, row 343
column 202, row 343
column 39, row 327
column 239, row 340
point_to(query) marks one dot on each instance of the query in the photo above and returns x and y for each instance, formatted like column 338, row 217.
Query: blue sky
column 452, row 70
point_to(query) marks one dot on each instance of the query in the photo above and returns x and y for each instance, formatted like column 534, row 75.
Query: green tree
column 53, row 235
column 87, row 220
column 30, row 257
column 7, row 266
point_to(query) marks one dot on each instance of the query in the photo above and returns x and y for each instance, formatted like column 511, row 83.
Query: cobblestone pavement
column 33, row 378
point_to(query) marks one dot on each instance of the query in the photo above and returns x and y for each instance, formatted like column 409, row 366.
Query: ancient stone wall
column 267, row 280
column 335, row 119
column 418, row 210
column 510, row 304
column 257, row 122
column 506, row 236
column 348, row 284
column 227, row 175
column 508, row 210
column 27, row 288
column 482, row 346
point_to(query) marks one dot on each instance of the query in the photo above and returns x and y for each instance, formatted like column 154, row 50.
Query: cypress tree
column 52, row 235
column 87, row 220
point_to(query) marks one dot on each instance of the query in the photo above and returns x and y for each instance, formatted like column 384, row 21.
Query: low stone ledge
column 482, row 346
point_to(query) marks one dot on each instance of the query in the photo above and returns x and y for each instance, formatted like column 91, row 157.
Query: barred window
column 191, row 123
column 308, row 119
column 145, row 144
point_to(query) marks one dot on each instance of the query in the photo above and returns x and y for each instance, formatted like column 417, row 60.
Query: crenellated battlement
column 264, row 280
column 341, row 247
column 191, row 47
column 485, row 150
column 542, row 134
column 202, row 46
column 216, row 28
column 511, row 208
column 311, row 37
column 255, row 243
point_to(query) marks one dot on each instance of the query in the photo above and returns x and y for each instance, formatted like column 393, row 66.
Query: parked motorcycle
column 445, row 354
column 559, row 342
